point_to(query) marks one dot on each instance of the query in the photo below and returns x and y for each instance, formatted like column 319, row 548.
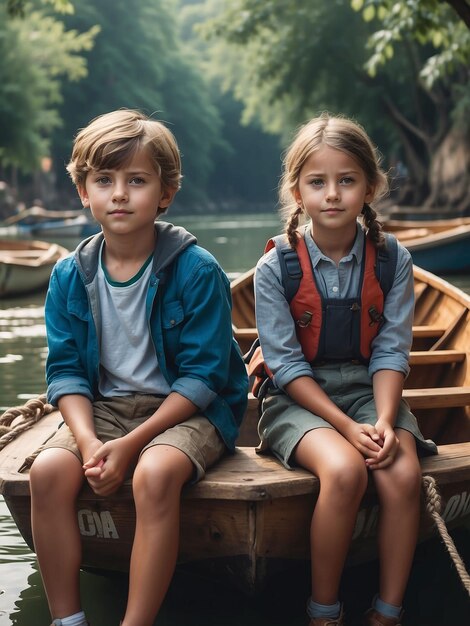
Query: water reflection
column 22, row 350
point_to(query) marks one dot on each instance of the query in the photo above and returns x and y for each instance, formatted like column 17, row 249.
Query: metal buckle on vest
column 375, row 316
column 305, row 319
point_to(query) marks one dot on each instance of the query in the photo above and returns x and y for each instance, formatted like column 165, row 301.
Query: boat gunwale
column 446, row 237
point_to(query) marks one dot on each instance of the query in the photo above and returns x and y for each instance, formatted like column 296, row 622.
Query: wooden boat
column 249, row 518
column 26, row 266
column 38, row 222
column 437, row 245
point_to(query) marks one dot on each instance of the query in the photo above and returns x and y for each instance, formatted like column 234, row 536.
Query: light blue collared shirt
column 281, row 348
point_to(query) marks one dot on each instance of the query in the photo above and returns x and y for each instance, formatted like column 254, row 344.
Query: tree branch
column 462, row 8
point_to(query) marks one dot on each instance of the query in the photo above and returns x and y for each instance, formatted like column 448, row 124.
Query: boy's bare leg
column 398, row 487
column 56, row 478
column 343, row 479
column 158, row 479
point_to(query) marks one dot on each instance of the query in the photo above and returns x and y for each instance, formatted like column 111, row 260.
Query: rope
column 19, row 419
column 433, row 507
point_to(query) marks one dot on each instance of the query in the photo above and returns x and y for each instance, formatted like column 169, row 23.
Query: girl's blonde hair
column 342, row 134
column 111, row 140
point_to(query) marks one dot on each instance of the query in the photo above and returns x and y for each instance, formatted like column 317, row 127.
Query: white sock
column 77, row 619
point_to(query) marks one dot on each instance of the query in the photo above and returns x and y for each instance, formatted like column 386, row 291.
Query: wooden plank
column 437, row 397
column 12, row 456
column 419, row 289
column 425, row 398
column 436, row 357
column 248, row 334
column 248, row 475
column 428, row 331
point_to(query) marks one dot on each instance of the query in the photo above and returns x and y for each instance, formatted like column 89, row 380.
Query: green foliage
column 139, row 62
column 37, row 53
column 286, row 59
column 428, row 23
column 16, row 8
column 246, row 159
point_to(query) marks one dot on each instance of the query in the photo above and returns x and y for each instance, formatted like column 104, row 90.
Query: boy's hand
column 90, row 448
column 106, row 469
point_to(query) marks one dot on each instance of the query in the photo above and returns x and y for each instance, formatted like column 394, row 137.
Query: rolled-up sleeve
column 205, row 343
column 281, row 348
column 391, row 347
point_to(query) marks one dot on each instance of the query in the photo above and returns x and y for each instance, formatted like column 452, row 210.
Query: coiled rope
column 19, row 419
column 433, row 508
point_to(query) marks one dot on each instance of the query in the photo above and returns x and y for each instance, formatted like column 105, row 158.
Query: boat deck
column 246, row 475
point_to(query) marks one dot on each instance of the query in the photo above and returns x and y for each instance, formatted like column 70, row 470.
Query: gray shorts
column 118, row 416
column 283, row 423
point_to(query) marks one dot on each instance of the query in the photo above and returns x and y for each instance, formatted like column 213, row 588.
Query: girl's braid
column 292, row 226
column 374, row 227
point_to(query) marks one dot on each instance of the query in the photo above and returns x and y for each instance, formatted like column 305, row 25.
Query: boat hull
column 244, row 523
column 16, row 280
column 449, row 255
column 25, row 266
column 439, row 246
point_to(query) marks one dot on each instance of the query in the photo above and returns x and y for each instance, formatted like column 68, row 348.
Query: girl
column 338, row 353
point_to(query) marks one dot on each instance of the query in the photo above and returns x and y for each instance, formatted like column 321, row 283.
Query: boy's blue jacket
column 188, row 309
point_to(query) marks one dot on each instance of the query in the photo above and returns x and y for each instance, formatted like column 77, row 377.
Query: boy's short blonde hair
column 111, row 140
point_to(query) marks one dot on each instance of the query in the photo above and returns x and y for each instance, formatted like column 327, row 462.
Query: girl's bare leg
column 56, row 478
column 398, row 487
column 158, row 479
column 343, row 479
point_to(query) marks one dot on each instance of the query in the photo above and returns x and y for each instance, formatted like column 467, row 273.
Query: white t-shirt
column 128, row 360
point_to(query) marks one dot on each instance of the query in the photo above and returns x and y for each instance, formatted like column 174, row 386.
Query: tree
column 37, row 55
column 246, row 158
column 442, row 76
column 138, row 62
column 287, row 60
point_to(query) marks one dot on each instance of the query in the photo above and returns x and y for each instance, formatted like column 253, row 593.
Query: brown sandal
column 374, row 618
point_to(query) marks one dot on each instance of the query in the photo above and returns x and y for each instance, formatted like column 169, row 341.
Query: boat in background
column 437, row 245
column 249, row 518
column 37, row 222
column 25, row 266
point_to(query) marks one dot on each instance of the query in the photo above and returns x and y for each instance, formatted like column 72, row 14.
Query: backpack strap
column 387, row 263
column 291, row 272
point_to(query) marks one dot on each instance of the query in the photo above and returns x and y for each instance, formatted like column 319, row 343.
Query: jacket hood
column 171, row 240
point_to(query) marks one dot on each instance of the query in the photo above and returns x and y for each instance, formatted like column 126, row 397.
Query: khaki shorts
column 118, row 416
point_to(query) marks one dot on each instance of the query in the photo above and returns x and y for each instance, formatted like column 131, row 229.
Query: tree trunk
column 449, row 174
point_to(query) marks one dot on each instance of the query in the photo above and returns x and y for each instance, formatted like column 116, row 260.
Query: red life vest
column 308, row 305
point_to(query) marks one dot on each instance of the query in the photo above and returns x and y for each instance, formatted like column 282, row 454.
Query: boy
column 142, row 364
